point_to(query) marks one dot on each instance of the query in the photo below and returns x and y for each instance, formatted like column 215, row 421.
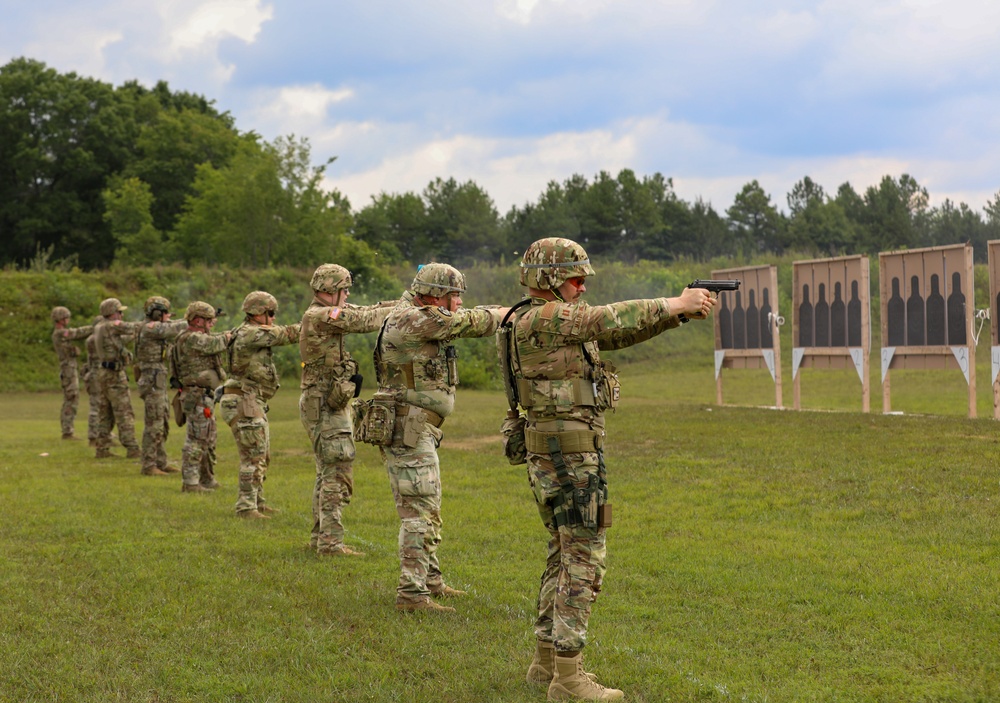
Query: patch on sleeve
column 438, row 313
column 335, row 313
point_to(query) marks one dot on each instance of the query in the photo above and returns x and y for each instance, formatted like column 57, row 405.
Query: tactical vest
column 110, row 345
column 193, row 368
column 252, row 366
column 324, row 358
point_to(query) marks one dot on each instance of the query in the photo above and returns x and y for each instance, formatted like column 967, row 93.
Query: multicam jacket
column 557, row 364
column 110, row 340
column 152, row 339
column 413, row 358
column 321, row 341
column 196, row 359
column 250, row 357
column 63, row 338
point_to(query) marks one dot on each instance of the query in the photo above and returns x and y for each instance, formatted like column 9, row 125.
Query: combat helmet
column 199, row 308
column 329, row 278
column 156, row 303
column 550, row 262
column 259, row 302
column 438, row 280
column 110, row 306
column 60, row 313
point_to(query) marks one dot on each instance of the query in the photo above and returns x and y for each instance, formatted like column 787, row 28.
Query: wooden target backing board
column 746, row 327
column 928, row 308
column 993, row 250
column 831, row 309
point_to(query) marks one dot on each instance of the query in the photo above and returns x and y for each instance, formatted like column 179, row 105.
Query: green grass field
column 757, row 555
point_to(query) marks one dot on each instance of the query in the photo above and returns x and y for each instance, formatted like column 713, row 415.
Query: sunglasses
column 270, row 313
column 578, row 281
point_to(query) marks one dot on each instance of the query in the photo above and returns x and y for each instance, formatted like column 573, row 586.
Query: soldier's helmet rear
column 156, row 303
column 259, row 302
column 110, row 306
column 550, row 262
column 199, row 308
column 438, row 280
column 329, row 278
column 60, row 313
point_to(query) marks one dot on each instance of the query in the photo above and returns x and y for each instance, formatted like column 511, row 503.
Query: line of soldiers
column 558, row 387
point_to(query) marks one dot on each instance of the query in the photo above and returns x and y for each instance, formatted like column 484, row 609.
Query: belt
column 433, row 418
column 570, row 442
column 235, row 390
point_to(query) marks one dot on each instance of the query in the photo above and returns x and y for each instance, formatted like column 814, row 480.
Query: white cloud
column 204, row 23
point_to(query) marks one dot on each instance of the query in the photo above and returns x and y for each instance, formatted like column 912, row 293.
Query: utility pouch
column 451, row 358
column 340, row 394
column 249, row 407
column 514, row 446
column 607, row 386
column 178, row 408
column 604, row 515
column 586, row 500
column 414, row 425
column 379, row 420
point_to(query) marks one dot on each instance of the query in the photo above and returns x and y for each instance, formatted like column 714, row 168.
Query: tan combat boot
column 268, row 510
column 153, row 472
column 425, row 604
column 169, row 469
column 252, row 515
column 542, row 667
column 194, row 488
column 340, row 551
column 133, row 453
column 571, row 682
column 542, row 664
column 444, row 591
column 105, row 454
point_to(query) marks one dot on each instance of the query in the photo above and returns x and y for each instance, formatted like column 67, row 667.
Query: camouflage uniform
column 114, row 402
column 328, row 384
column 196, row 362
column 93, row 388
column 416, row 363
column 66, row 351
column 565, row 388
column 151, row 341
column 253, row 382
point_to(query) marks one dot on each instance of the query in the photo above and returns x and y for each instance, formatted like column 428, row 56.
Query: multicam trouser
column 152, row 386
column 114, row 408
column 198, row 455
column 94, row 403
column 415, row 479
column 253, row 442
column 71, row 395
column 333, row 446
column 575, row 564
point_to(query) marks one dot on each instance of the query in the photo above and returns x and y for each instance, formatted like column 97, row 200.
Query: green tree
column 757, row 225
column 463, row 225
column 62, row 137
column 127, row 203
column 817, row 224
column 394, row 225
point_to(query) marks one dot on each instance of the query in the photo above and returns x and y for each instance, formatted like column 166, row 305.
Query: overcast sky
column 516, row 93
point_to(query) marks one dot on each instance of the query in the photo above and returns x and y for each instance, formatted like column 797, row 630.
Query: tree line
column 92, row 174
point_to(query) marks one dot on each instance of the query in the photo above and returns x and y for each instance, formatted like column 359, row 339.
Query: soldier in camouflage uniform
column 557, row 375
column 151, row 341
column 252, row 382
column 63, row 337
column 329, row 381
column 93, row 387
column 196, row 363
column 111, row 335
column 416, row 363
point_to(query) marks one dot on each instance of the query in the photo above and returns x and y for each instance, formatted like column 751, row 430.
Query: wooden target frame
column 831, row 328
column 746, row 325
column 928, row 308
column 993, row 255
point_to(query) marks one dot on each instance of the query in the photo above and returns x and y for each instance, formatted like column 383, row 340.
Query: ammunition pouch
column 514, row 445
column 342, row 392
